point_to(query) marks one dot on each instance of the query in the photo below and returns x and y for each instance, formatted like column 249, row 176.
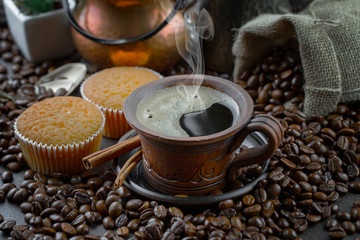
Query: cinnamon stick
column 102, row 156
column 127, row 168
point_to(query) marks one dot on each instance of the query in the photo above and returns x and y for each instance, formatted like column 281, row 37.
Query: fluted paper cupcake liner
column 116, row 124
column 67, row 158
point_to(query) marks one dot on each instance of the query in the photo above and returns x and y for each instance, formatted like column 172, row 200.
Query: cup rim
column 246, row 107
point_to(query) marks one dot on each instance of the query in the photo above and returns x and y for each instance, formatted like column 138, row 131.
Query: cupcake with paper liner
column 109, row 88
column 56, row 133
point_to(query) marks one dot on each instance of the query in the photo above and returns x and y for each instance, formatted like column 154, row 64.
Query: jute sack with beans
column 328, row 33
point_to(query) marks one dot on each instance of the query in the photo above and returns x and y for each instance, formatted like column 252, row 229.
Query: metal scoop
column 68, row 76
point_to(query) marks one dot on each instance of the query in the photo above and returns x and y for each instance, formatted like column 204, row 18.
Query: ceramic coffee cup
column 199, row 165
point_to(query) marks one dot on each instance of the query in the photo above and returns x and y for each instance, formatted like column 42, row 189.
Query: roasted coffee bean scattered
column 317, row 162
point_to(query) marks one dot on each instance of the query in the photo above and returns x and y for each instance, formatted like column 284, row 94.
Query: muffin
column 108, row 90
column 55, row 134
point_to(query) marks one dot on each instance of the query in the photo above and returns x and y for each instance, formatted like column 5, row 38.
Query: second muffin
column 108, row 90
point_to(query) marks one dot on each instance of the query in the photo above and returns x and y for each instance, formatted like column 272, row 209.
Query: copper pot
column 122, row 32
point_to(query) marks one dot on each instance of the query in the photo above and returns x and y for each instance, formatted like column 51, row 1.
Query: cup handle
column 265, row 124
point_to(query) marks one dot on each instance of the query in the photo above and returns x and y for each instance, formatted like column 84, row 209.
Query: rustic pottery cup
column 199, row 165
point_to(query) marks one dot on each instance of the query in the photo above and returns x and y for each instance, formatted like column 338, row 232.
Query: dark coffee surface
column 216, row 118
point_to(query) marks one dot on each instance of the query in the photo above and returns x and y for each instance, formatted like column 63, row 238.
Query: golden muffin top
column 110, row 87
column 60, row 121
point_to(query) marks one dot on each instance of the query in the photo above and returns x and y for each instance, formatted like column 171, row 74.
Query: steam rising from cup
column 199, row 27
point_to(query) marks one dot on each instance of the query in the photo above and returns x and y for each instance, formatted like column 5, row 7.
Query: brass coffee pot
column 128, row 32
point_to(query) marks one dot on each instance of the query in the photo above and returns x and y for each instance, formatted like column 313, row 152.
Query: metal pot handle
column 178, row 6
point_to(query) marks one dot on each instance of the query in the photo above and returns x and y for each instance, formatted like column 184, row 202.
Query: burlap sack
column 328, row 32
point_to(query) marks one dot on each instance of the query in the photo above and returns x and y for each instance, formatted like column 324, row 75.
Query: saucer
column 137, row 183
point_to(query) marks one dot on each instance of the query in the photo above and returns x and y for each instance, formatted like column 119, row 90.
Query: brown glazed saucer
column 137, row 183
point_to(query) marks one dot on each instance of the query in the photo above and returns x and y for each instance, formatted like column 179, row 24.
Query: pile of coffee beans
column 344, row 222
column 317, row 162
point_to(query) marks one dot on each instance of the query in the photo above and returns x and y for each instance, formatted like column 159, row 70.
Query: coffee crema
column 162, row 110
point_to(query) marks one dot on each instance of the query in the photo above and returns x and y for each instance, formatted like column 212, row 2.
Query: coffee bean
column 342, row 143
column 256, row 222
column 253, row 82
column 14, row 149
column 176, row 212
column 334, row 164
column 289, row 233
column 160, row 211
column 35, row 221
column 350, row 156
column 133, row 204
column 68, row 229
column 145, row 215
column 341, row 177
column 113, row 198
column 248, row 200
column 82, row 197
column 333, row 196
column 275, row 176
column 56, row 218
column 287, row 163
column 330, row 223
column 260, row 195
column 337, row 232
column 13, row 166
column 21, row 195
column 133, row 225
column 326, row 212
column 178, row 227
column 326, row 188
column 29, row 174
column 80, row 219
column 313, row 218
column 252, row 210
column 313, row 167
column 95, row 182
column 273, row 191
column 286, row 74
column 352, row 171
column 7, row 177
column 121, row 220
column 349, row 227
column 82, row 229
column 263, row 96
column 48, row 231
column 8, row 158
column 341, row 187
column 357, row 225
column 115, row 209
column 316, row 208
column 100, row 207
column 71, row 215
column 123, row 231
column 6, row 226
column 343, row 216
column 355, row 213
column 89, row 217
column 60, row 236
